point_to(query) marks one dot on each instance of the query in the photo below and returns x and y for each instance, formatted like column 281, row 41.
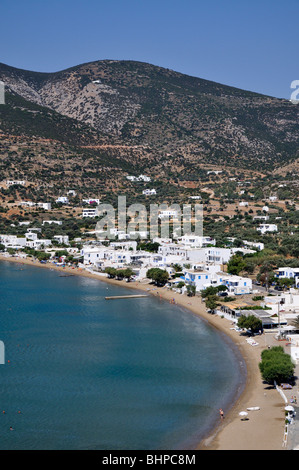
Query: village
column 189, row 265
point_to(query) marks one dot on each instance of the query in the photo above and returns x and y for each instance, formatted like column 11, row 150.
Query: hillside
column 174, row 119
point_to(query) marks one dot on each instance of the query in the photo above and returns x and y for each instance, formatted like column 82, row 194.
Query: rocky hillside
column 170, row 116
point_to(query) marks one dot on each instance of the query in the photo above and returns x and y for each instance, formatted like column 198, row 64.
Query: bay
column 82, row 372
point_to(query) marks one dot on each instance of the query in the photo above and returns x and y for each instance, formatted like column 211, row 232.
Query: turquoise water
column 87, row 373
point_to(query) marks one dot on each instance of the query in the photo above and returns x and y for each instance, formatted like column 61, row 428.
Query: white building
column 91, row 201
column 168, row 213
column 261, row 217
column 31, row 236
column 63, row 239
column 12, row 241
column 90, row 212
column 50, row 222
column 25, row 222
column 41, row 243
column 243, row 203
column 264, row 228
column 235, row 284
column 196, row 255
column 144, row 178
column 286, row 302
column 195, row 241
column 15, row 182
column 62, row 200
column 43, row 205
column 149, row 192
column 218, row 255
column 201, row 279
column 139, row 178
column 287, row 272
column 259, row 245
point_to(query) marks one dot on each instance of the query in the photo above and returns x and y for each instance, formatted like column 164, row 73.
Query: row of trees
column 119, row 273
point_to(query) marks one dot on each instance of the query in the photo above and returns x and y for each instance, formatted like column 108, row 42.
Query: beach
column 265, row 427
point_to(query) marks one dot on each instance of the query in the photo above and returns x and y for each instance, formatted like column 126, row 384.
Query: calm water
column 87, row 373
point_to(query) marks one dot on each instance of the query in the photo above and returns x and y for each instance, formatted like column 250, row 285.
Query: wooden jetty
column 136, row 296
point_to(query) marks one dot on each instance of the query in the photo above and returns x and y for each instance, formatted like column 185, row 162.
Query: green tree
column 211, row 302
column 159, row 276
column 111, row 272
column 276, row 365
column 250, row 322
column 236, row 264
column 191, row 290
column 128, row 273
column 285, row 282
column 42, row 256
column 177, row 268
column 180, row 284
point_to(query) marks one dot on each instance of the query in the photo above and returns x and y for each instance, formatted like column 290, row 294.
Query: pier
column 138, row 296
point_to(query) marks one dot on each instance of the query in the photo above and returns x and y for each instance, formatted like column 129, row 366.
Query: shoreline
column 264, row 428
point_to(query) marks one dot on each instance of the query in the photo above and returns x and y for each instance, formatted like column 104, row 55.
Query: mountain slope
column 174, row 115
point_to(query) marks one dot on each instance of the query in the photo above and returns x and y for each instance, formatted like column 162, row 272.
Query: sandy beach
column 264, row 429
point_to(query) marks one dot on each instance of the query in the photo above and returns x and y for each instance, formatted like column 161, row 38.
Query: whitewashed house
column 50, row 222
column 12, row 241
column 218, row 255
column 91, row 201
column 201, row 279
column 63, row 239
column 258, row 245
column 62, row 200
column 236, row 285
column 90, row 212
column 287, row 272
column 195, row 241
column 164, row 214
column 264, row 228
column 15, row 182
column 149, row 192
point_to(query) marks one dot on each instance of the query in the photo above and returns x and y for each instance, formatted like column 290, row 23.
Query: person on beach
column 221, row 414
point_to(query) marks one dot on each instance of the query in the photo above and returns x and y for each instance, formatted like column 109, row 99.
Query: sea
column 82, row 372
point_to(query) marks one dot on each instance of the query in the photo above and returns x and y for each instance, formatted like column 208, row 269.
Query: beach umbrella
column 289, row 408
column 243, row 414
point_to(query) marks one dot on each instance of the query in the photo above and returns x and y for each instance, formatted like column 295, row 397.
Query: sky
column 248, row 44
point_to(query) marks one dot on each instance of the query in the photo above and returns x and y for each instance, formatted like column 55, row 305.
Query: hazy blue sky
column 250, row 44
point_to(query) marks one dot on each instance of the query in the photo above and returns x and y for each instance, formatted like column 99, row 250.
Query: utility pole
column 281, row 302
